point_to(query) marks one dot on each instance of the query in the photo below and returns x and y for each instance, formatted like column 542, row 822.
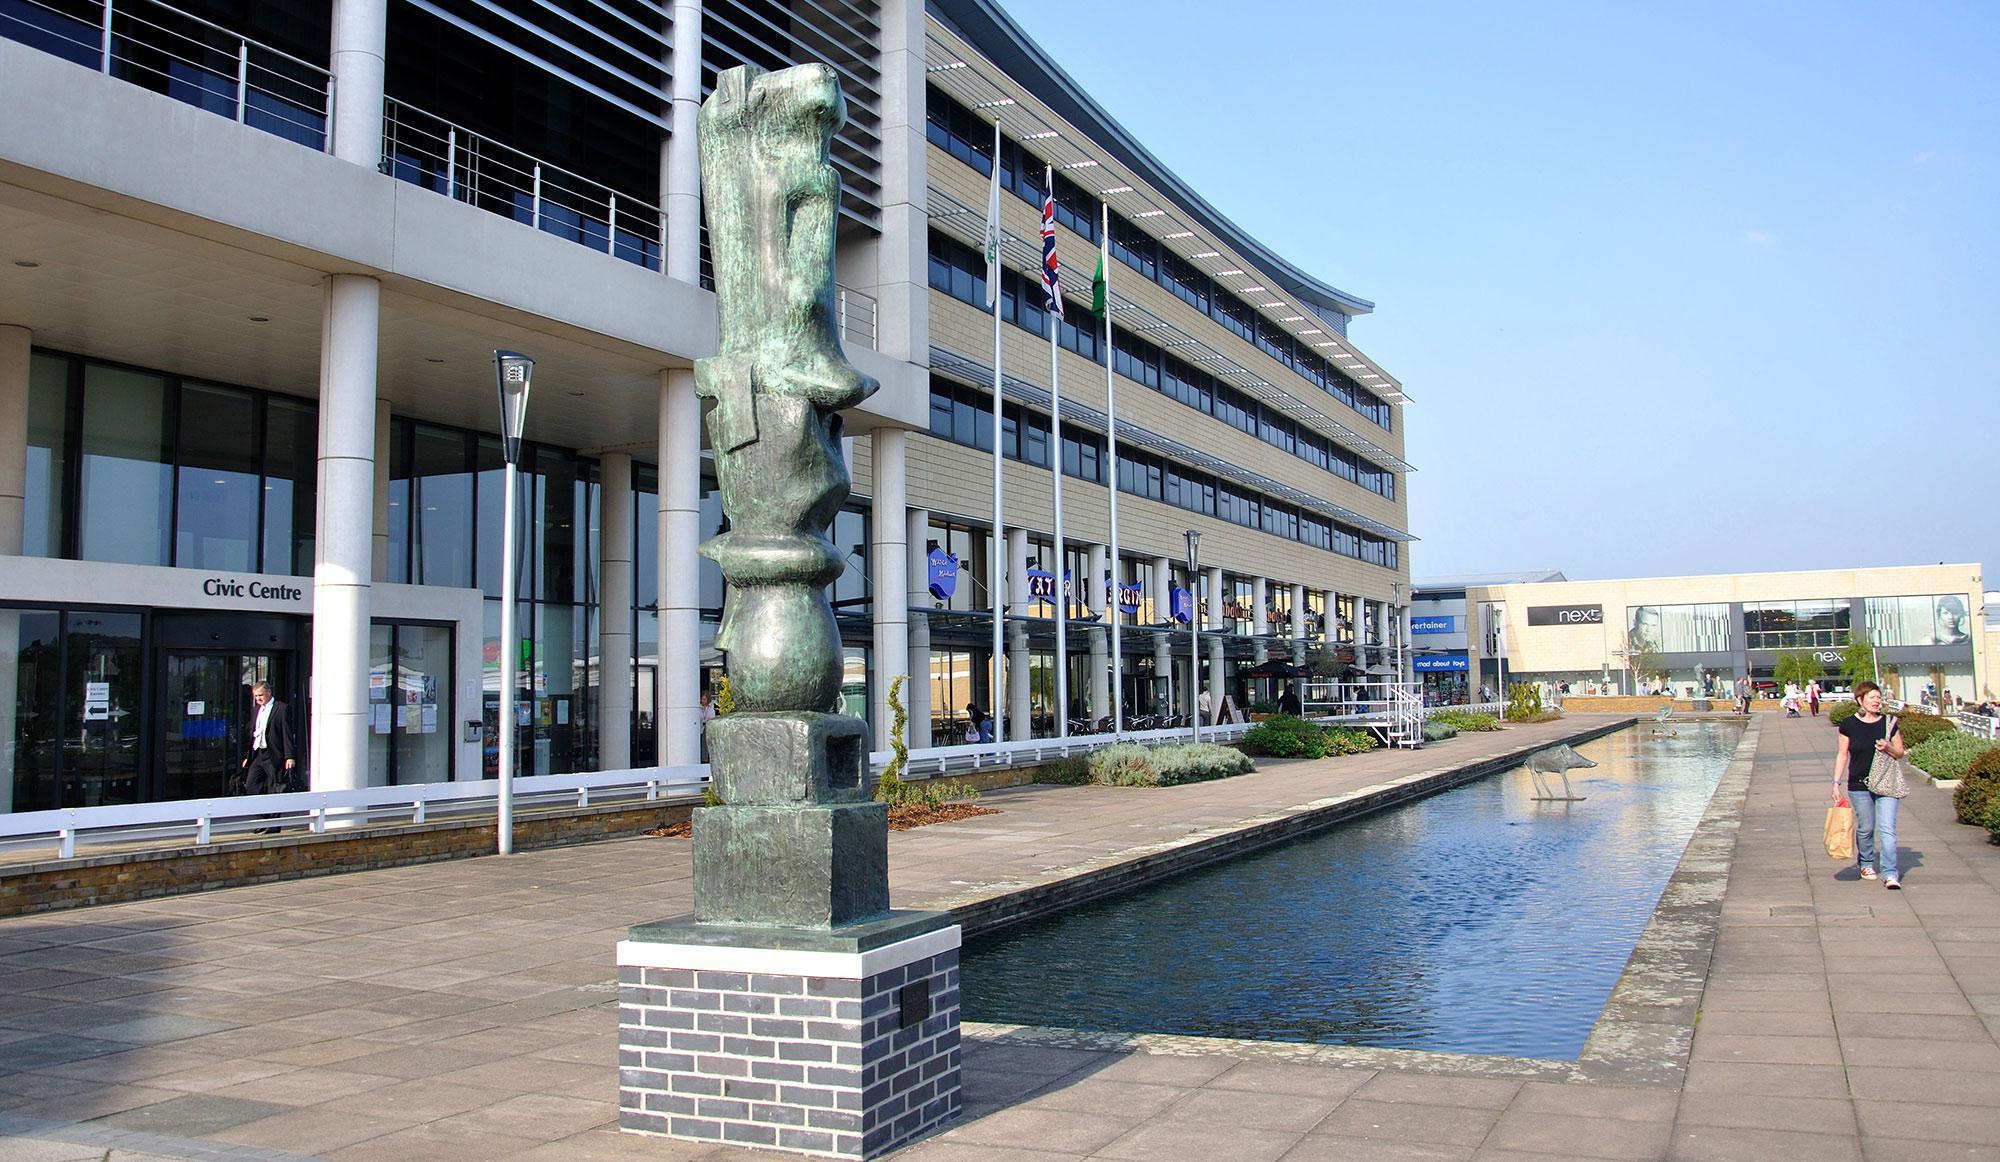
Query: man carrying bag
column 269, row 758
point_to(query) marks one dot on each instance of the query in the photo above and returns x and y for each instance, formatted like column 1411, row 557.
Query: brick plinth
column 840, row 1053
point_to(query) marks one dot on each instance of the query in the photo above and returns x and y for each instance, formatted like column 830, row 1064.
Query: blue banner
column 1041, row 585
column 1128, row 598
column 1183, row 604
column 1434, row 623
column 943, row 574
column 1439, row 663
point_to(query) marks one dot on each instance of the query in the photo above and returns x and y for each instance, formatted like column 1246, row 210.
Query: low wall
column 1636, row 704
column 138, row 875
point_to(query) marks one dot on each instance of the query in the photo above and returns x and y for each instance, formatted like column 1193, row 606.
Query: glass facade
column 1938, row 620
column 1678, row 629
column 1783, row 625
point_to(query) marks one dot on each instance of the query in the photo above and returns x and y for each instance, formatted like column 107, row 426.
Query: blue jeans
column 1875, row 823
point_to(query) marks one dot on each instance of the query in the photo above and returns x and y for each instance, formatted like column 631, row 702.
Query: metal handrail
column 206, row 821
column 225, row 74
column 429, row 151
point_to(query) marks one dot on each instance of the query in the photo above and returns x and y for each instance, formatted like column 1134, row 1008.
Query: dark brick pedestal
column 842, row 1043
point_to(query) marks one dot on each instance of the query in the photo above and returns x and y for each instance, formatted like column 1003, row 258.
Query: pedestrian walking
column 1863, row 736
column 1812, row 696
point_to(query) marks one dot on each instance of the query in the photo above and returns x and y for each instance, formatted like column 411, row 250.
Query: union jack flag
column 1051, row 275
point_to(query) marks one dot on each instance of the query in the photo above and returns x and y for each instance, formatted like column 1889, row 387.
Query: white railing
column 1385, row 704
column 426, row 150
column 162, row 48
column 204, row 821
column 1979, row 725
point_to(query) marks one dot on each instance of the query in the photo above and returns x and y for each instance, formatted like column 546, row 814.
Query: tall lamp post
column 1396, row 629
column 1194, row 629
column 516, row 374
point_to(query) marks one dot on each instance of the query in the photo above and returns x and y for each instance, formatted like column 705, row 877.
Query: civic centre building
column 1928, row 624
column 255, row 260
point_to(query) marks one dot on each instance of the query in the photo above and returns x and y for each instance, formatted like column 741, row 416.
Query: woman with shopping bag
column 1863, row 738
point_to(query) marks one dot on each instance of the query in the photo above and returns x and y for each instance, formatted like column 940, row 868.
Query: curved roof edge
column 984, row 25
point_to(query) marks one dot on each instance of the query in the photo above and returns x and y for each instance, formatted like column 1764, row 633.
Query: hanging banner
column 1183, row 604
column 943, row 574
column 1128, row 598
column 1041, row 585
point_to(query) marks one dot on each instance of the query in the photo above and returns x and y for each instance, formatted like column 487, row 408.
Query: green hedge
column 1435, row 731
column 1947, row 756
column 1993, row 820
column 1839, row 712
column 1979, row 791
column 1464, row 720
column 1132, row 765
column 1919, row 728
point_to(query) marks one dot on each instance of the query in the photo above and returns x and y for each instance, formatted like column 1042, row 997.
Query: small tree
column 1799, row 666
column 890, row 785
column 725, row 698
column 1857, row 662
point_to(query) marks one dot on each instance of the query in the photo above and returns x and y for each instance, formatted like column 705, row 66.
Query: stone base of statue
column 842, row 1043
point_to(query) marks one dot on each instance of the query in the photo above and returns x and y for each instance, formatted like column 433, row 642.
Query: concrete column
column 1216, row 684
column 900, row 279
column 1298, row 625
column 360, row 30
column 1020, row 725
column 345, row 557
column 890, row 528
column 16, row 344
column 1213, row 577
column 614, row 614
column 917, row 595
column 382, row 467
column 1100, row 652
column 679, row 566
column 680, row 160
column 1260, row 601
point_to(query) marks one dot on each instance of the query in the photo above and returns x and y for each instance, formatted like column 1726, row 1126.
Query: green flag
column 1097, row 304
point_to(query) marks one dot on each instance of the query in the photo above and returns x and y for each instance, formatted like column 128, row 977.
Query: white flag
column 993, row 228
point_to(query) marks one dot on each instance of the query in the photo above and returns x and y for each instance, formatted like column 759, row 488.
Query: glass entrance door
column 205, row 707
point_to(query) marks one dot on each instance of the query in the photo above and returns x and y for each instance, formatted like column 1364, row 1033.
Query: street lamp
column 1194, row 628
column 1396, row 628
column 515, row 374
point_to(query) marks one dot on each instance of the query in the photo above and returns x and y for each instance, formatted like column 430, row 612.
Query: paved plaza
column 468, row 1010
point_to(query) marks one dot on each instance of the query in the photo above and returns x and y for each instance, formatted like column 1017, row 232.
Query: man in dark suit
column 269, row 758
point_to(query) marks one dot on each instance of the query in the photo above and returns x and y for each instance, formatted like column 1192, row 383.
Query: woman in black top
column 1862, row 737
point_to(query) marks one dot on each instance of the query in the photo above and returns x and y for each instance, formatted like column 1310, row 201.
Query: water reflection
column 1476, row 921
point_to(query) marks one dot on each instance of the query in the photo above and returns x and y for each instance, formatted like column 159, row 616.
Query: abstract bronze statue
column 798, row 842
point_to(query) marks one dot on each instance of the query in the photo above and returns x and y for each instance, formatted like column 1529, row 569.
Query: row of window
column 964, row 415
column 961, row 133
column 959, row 271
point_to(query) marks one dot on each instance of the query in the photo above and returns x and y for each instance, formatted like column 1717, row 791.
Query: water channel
column 1474, row 921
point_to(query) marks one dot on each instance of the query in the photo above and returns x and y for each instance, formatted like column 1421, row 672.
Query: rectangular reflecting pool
column 1475, row 921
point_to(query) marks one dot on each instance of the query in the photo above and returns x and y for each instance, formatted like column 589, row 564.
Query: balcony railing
column 426, row 150
column 157, row 46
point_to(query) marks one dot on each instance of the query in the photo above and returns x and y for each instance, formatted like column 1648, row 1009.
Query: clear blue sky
column 1677, row 288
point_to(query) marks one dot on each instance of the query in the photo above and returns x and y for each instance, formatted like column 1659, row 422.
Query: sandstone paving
column 465, row 1009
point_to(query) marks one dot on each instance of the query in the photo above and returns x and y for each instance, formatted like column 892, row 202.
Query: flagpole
column 996, row 557
column 1061, row 570
column 1117, row 609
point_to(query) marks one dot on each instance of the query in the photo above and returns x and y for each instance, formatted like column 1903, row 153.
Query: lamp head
column 515, row 374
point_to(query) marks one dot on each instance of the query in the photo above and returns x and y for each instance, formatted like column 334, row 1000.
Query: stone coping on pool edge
column 1643, row 1035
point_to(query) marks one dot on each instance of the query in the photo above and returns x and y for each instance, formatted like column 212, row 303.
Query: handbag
column 1885, row 773
column 1840, row 830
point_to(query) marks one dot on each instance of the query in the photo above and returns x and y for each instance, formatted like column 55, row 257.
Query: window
column 953, row 128
column 961, row 414
column 958, row 270
column 1236, row 409
column 1186, row 282
column 1134, row 247
column 127, row 499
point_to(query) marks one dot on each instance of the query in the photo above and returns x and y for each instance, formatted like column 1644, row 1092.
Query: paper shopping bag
column 1840, row 831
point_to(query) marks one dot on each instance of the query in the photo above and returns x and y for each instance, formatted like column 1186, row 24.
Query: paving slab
column 465, row 1009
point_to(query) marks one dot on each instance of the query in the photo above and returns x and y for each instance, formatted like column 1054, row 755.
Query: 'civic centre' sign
column 1565, row 615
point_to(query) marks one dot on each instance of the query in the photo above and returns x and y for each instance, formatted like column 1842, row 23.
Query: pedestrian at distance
column 1863, row 736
